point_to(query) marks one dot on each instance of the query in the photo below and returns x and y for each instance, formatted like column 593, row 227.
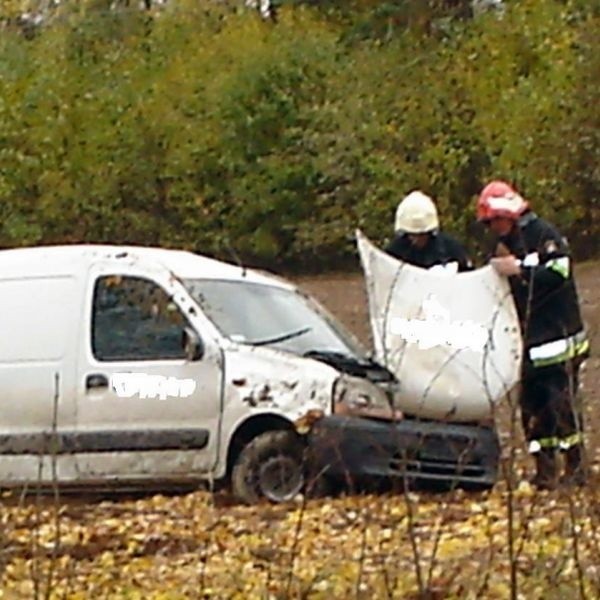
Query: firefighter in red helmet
column 536, row 259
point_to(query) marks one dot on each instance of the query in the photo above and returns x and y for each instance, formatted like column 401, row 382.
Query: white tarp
column 452, row 339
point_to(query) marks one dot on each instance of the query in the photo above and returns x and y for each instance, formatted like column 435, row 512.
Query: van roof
column 186, row 265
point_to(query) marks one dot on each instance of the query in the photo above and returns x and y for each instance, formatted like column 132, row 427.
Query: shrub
column 206, row 128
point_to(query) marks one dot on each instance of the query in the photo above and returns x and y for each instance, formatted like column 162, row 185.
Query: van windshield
column 264, row 315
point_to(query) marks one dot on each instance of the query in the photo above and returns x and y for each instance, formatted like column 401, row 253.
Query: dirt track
column 344, row 295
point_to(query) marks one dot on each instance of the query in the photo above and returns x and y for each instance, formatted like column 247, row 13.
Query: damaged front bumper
column 351, row 448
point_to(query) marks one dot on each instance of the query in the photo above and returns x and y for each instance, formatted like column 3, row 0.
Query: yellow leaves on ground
column 388, row 546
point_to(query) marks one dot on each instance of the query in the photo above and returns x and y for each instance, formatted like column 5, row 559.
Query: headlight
column 362, row 398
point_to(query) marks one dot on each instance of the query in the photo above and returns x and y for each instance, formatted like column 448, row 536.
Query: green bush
column 206, row 128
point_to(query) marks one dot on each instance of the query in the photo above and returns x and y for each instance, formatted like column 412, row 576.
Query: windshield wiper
column 340, row 356
column 281, row 338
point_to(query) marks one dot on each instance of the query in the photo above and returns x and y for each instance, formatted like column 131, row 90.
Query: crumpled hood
column 452, row 339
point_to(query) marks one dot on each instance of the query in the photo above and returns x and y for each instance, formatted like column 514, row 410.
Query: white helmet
column 416, row 214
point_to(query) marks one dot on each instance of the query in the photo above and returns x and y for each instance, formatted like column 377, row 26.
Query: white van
column 132, row 365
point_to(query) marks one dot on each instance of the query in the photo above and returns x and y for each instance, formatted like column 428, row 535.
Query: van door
column 144, row 410
column 38, row 328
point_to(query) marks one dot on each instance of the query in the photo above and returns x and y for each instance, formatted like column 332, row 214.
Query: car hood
column 452, row 340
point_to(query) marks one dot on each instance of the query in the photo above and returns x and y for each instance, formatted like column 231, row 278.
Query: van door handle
column 97, row 380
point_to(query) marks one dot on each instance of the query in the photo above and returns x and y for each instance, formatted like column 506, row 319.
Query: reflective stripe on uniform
column 555, row 443
column 561, row 265
column 559, row 350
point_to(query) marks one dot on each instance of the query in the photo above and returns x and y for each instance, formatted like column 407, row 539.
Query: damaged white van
column 122, row 366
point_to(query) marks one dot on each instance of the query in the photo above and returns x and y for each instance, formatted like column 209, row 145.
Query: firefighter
column 418, row 239
column 536, row 260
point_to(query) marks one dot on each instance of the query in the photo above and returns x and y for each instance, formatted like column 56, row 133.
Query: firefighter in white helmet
column 536, row 259
column 418, row 239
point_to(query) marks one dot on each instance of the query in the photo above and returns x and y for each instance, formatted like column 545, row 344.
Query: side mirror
column 192, row 344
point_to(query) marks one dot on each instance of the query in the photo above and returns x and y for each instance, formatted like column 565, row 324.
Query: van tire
column 270, row 467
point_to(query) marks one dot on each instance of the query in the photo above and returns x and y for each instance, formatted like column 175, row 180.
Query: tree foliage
column 203, row 127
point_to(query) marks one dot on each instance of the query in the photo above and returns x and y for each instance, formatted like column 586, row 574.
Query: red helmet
column 498, row 199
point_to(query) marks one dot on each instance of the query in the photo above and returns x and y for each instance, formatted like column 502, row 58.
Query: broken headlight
column 362, row 398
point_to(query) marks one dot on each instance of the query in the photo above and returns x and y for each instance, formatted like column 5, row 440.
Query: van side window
column 134, row 319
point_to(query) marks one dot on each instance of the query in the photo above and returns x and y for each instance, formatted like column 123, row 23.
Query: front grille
column 439, row 456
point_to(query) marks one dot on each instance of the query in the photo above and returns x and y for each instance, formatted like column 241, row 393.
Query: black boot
column 575, row 472
column 546, row 469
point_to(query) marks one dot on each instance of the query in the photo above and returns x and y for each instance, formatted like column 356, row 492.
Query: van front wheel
column 271, row 466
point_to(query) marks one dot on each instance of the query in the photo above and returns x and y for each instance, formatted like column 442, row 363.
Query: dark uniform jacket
column 439, row 250
column 545, row 293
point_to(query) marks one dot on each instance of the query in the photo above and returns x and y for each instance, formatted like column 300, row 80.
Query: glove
column 506, row 265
